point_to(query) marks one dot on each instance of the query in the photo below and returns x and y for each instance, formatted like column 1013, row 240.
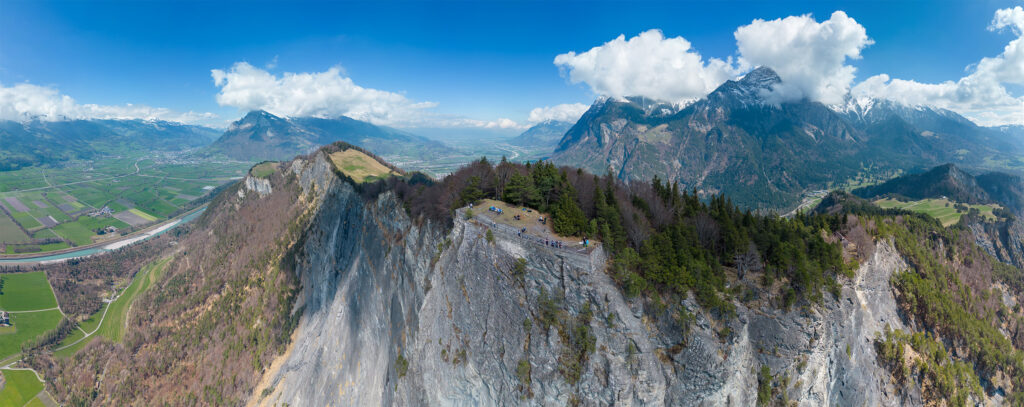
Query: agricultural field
column 32, row 305
column 26, row 292
column 20, row 388
column 47, row 209
column 26, row 326
column 10, row 231
column 942, row 209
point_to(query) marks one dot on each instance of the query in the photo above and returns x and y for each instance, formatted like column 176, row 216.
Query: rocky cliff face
column 1003, row 239
column 401, row 311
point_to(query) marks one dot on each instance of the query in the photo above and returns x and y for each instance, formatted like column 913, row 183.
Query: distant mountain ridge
column 762, row 154
column 263, row 136
column 946, row 180
column 543, row 134
column 24, row 144
column 954, row 183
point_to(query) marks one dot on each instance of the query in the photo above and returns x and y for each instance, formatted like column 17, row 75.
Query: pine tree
column 471, row 193
column 568, row 219
column 521, row 191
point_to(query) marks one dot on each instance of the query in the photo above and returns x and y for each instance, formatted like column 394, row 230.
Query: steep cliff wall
column 1003, row 239
column 400, row 311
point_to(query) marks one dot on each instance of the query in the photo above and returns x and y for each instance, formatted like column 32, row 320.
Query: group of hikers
column 547, row 242
column 523, row 233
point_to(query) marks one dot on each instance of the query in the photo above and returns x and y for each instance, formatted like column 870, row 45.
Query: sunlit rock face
column 400, row 311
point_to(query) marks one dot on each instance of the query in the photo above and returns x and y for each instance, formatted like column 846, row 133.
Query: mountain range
column 24, row 144
column 544, row 134
column 263, row 136
column 763, row 154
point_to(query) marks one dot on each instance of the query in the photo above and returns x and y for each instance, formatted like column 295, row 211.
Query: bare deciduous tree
column 748, row 261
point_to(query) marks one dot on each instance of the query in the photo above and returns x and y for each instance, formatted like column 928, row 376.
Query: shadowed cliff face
column 408, row 312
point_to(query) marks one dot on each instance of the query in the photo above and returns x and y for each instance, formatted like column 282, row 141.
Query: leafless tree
column 707, row 230
column 748, row 261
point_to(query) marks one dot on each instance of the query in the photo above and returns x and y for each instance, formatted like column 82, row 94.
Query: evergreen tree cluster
column 661, row 239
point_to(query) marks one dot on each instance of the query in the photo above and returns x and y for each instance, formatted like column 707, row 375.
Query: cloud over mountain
column 809, row 56
column 648, row 64
column 318, row 94
column 566, row 112
column 25, row 101
column 331, row 94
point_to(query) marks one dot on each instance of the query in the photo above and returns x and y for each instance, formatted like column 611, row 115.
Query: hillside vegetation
column 665, row 242
column 949, row 293
column 226, row 304
column 208, row 325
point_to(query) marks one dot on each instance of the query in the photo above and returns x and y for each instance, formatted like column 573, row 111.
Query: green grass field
column 44, row 234
column 74, row 232
column 81, row 231
column 113, row 325
column 35, row 402
column 27, row 326
column 21, row 387
column 71, row 338
column 263, row 170
column 26, row 220
column 26, row 292
column 90, row 324
column 942, row 209
column 359, row 166
column 11, row 249
column 9, row 231
column 143, row 215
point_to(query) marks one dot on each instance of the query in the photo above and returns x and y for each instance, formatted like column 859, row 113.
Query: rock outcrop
column 401, row 311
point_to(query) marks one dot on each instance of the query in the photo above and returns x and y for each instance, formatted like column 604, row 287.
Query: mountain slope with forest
column 1002, row 237
column 943, row 181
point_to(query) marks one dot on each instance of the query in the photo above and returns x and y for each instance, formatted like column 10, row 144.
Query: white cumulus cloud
column 25, row 101
column 809, row 56
column 981, row 95
column 319, row 94
column 649, row 65
column 567, row 112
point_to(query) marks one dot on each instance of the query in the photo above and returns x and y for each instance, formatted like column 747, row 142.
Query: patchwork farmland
column 46, row 209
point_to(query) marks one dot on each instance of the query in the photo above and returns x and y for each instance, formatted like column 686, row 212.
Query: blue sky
column 476, row 60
